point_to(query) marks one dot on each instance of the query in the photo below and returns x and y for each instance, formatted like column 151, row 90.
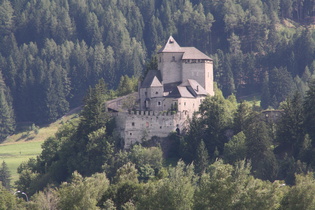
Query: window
column 184, row 103
column 130, row 134
column 133, row 124
column 173, row 59
column 156, row 93
column 159, row 103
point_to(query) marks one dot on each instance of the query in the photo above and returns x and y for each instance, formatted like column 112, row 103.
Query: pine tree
column 309, row 111
column 7, row 122
column 202, row 159
column 290, row 132
column 5, row 176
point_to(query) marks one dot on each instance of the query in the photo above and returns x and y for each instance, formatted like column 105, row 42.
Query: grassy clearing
column 253, row 99
column 15, row 153
column 22, row 146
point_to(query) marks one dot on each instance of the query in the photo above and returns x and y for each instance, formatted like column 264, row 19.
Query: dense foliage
column 235, row 158
column 51, row 51
column 54, row 51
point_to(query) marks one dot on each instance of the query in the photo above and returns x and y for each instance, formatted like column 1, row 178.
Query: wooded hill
column 53, row 50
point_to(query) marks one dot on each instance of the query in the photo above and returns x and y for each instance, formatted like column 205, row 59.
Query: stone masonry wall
column 143, row 125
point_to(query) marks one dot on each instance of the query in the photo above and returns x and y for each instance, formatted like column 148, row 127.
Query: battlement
column 156, row 113
column 139, row 126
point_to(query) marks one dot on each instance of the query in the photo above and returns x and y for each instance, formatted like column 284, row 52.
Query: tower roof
column 188, row 52
column 171, row 46
column 153, row 78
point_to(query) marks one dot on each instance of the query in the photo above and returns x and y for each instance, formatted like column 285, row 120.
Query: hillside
column 22, row 146
column 53, row 50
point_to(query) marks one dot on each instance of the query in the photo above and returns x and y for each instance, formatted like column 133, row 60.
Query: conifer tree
column 5, row 176
column 309, row 111
column 202, row 159
column 7, row 122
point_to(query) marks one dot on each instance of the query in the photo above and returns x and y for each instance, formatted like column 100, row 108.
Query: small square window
column 159, row 103
column 133, row 124
column 156, row 93
column 130, row 134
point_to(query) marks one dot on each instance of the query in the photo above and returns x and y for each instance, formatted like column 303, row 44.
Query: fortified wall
column 139, row 126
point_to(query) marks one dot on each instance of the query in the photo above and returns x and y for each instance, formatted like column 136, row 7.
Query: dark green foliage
column 258, row 143
column 216, row 119
column 290, row 131
column 7, row 120
column 5, row 176
column 127, row 85
column 7, row 199
column 236, row 149
column 51, row 52
column 309, row 111
column 85, row 147
column 281, row 86
column 265, row 92
column 202, row 159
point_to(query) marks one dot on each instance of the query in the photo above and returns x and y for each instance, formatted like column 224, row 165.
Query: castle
column 168, row 96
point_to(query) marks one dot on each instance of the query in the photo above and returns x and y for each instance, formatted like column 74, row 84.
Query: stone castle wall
column 139, row 126
column 170, row 66
column 201, row 71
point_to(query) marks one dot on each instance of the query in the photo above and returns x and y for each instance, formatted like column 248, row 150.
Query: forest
column 59, row 54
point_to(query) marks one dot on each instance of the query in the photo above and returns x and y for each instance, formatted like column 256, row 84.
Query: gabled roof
column 194, row 53
column 153, row 78
column 180, row 92
column 189, row 52
column 194, row 87
column 188, row 89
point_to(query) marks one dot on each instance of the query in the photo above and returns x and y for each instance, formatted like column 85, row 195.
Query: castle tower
column 169, row 61
column 198, row 66
column 178, row 64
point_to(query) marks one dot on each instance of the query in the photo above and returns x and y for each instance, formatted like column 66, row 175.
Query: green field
column 16, row 153
column 22, row 146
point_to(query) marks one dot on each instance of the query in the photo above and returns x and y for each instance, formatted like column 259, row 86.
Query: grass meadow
column 22, row 146
column 16, row 153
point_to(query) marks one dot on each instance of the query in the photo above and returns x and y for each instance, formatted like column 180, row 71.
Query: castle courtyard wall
column 140, row 126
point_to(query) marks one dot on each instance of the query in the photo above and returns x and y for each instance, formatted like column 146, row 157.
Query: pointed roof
column 171, row 46
column 155, row 82
column 189, row 52
column 153, row 78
